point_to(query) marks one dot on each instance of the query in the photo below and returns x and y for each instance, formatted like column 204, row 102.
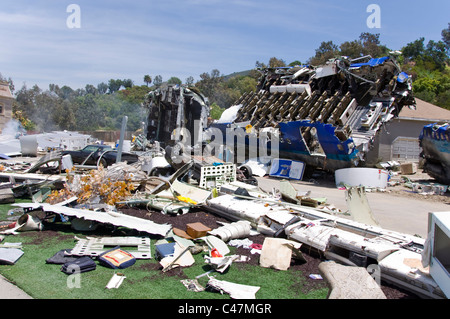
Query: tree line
column 104, row 105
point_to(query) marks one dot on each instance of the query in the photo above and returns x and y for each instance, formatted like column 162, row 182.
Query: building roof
column 425, row 111
column 5, row 91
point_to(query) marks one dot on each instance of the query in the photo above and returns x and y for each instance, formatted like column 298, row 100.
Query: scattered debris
column 138, row 247
column 109, row 217
column 79, row 265
column 116, row 258
column 361, row 176
column 236, row 291
column 9, row 256
column 277, row 252
column 435, row 149
column 115, row 281
column 347, row 282
column 358, row 206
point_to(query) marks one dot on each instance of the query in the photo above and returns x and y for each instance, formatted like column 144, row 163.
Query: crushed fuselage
column 325, row 116
column 435, row 142
column 176, row 113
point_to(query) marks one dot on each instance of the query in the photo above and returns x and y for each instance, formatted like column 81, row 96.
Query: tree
column 295, row 63
column 352, row 49
column 157, row 81
column 90, row 89
column 446, row 37
column 147, row 79
column 414, row 50
column 127, row 83
column 437, row 52
column 174, row 80
column 114, row 85
column 276, row 63
column 371, row 44
column 102, row 88
column 189, row 81
column 216, row 111
column 326, row 51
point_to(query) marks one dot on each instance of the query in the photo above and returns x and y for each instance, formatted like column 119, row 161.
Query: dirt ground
column 313, row 259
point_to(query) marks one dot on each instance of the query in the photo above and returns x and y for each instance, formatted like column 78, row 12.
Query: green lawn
column 144, row 280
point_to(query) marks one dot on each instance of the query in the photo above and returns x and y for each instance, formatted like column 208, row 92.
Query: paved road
column 11, row 291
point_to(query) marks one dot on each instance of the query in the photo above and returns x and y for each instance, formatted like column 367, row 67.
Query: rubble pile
column 290, row 223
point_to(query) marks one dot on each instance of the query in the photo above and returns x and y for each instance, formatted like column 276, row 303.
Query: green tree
column 352, row 49
column 157, row 81
column 446, row 38
column 114, row 85
column 414, row 50
column 189, row 81
column 216, row 111
column 147, row 79
column 102, row 88
column 127, row 83
column 174, row 80
column 326, row 51
column 276, row 63
column 295, row 63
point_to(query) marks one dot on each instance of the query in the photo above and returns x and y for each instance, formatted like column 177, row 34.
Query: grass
column 144, row 280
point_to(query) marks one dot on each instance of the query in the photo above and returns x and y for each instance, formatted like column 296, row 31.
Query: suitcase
column 164, row 250
column 82, row 264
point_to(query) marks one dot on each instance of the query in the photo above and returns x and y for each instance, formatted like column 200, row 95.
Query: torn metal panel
column 358, row 206
column 96, row 246
column 173, row 109
column 113, row 218
column 239, row 229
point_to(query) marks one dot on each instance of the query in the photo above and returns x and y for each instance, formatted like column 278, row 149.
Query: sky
column 47, row 42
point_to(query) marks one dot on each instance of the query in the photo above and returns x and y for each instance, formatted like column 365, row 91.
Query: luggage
column 164, row 250
column 116, row 258
column 61, row 257
column 82, row 264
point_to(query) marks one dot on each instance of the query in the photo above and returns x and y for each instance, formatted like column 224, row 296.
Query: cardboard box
column 196, row 230
column 408, row 168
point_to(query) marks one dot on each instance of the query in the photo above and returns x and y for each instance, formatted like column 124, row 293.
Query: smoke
column 13, row 128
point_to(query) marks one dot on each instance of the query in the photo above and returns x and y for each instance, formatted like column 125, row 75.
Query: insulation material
column 277, row 253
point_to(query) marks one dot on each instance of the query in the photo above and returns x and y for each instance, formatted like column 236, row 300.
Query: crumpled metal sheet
column 114, row 218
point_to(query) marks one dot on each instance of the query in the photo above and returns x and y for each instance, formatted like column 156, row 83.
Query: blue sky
column 182, row 38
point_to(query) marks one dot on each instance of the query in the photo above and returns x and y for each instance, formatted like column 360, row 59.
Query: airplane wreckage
column 326, row 116
column 434, row 140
